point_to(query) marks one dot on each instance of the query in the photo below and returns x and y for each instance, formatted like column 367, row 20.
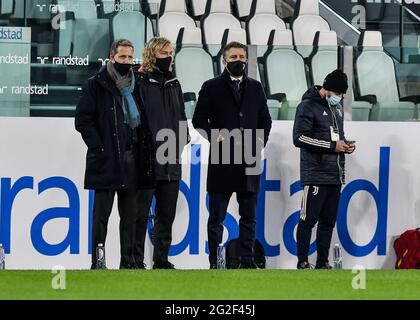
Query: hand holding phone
column 352, row 146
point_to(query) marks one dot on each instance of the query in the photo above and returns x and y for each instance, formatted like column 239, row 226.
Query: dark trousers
column 319, row 204
column 127, row 208
column 166, row 195
column 142, row 218
column 218, row 204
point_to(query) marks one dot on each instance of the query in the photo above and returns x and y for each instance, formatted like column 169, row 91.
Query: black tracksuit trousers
column 319, row 204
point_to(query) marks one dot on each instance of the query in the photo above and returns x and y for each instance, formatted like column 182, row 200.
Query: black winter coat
column 218, row 108
column 319, row 163
column 100, row 120
column 163, row 101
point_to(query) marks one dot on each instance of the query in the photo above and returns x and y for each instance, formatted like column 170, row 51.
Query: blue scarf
column 129, row 106
column 125, row 85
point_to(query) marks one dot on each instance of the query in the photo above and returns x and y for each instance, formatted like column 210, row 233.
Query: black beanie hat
column 336, row 81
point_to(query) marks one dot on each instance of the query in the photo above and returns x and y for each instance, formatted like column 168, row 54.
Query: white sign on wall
column 45, row 216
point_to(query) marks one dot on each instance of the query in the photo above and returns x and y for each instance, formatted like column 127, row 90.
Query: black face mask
column 164, row 64
column 122, row 68
column 236, row 68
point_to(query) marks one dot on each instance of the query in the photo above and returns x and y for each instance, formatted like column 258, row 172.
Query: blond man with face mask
column 163, row 101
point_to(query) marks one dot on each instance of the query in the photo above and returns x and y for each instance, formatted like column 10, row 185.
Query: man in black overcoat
column 232, row 114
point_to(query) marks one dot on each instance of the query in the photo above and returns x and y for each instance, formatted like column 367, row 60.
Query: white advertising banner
column 45, row 214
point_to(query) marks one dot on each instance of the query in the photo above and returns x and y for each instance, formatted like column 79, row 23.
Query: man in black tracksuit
column 318, row 132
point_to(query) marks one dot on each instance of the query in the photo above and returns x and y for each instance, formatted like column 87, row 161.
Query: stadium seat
column 126, row 25
column 91, row 37
column 324, row 60
column 218, row 6
column 285, row 75
column 63, row 47
column 171, row 23
column 376, row 78
column 190, row 37
column 80, row 31
column 165, row 6
column 202, row 8
column 192, row 56
column 172, row 6
column 198, row 8
column 260, row 26
column 361, row 109
column 7, row 7
column 214, row 26
column 273, row 108
column 37, row 11
column 306, row 23
column 248, row 8
column 85, row 9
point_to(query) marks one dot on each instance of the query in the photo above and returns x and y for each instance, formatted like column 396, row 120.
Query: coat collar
column 226, row 77
column 106, row 82
column 160, row 78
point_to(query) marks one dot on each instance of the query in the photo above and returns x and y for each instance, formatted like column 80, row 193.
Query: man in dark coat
column 232, row 114
column 163, row 102
column 109, row 118
column 318, row 132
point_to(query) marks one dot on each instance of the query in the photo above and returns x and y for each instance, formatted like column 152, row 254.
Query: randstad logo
column 11, row 33
column 71, row 241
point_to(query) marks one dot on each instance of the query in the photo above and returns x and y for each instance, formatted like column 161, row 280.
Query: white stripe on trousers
column 304, row 202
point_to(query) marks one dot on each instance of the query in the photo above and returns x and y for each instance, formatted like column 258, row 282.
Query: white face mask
column 334, row 100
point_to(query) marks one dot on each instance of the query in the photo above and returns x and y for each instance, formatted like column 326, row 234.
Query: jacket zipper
column 164, row 104
column 340, row 170
column 116, row 130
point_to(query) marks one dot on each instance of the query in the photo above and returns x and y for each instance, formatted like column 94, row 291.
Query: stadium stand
column 125, row 25
column 306, row 23
column 245, row 9
column 260, row 27
column 87, row 28
column 7, row 7
column 285, row 74
column 214, row 25
column 171, row 23
column 372, row 64
column 192, row 56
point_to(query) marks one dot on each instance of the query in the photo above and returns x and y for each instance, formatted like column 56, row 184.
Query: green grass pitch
column 210, row 284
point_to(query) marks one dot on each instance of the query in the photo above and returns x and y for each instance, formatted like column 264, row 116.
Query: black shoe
column 248, row 265
column 127, row 266
column 213, row 266
column 304, row 265
column 95, row 267
column 325, row 266
column 163, row 265
column 141, row 266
